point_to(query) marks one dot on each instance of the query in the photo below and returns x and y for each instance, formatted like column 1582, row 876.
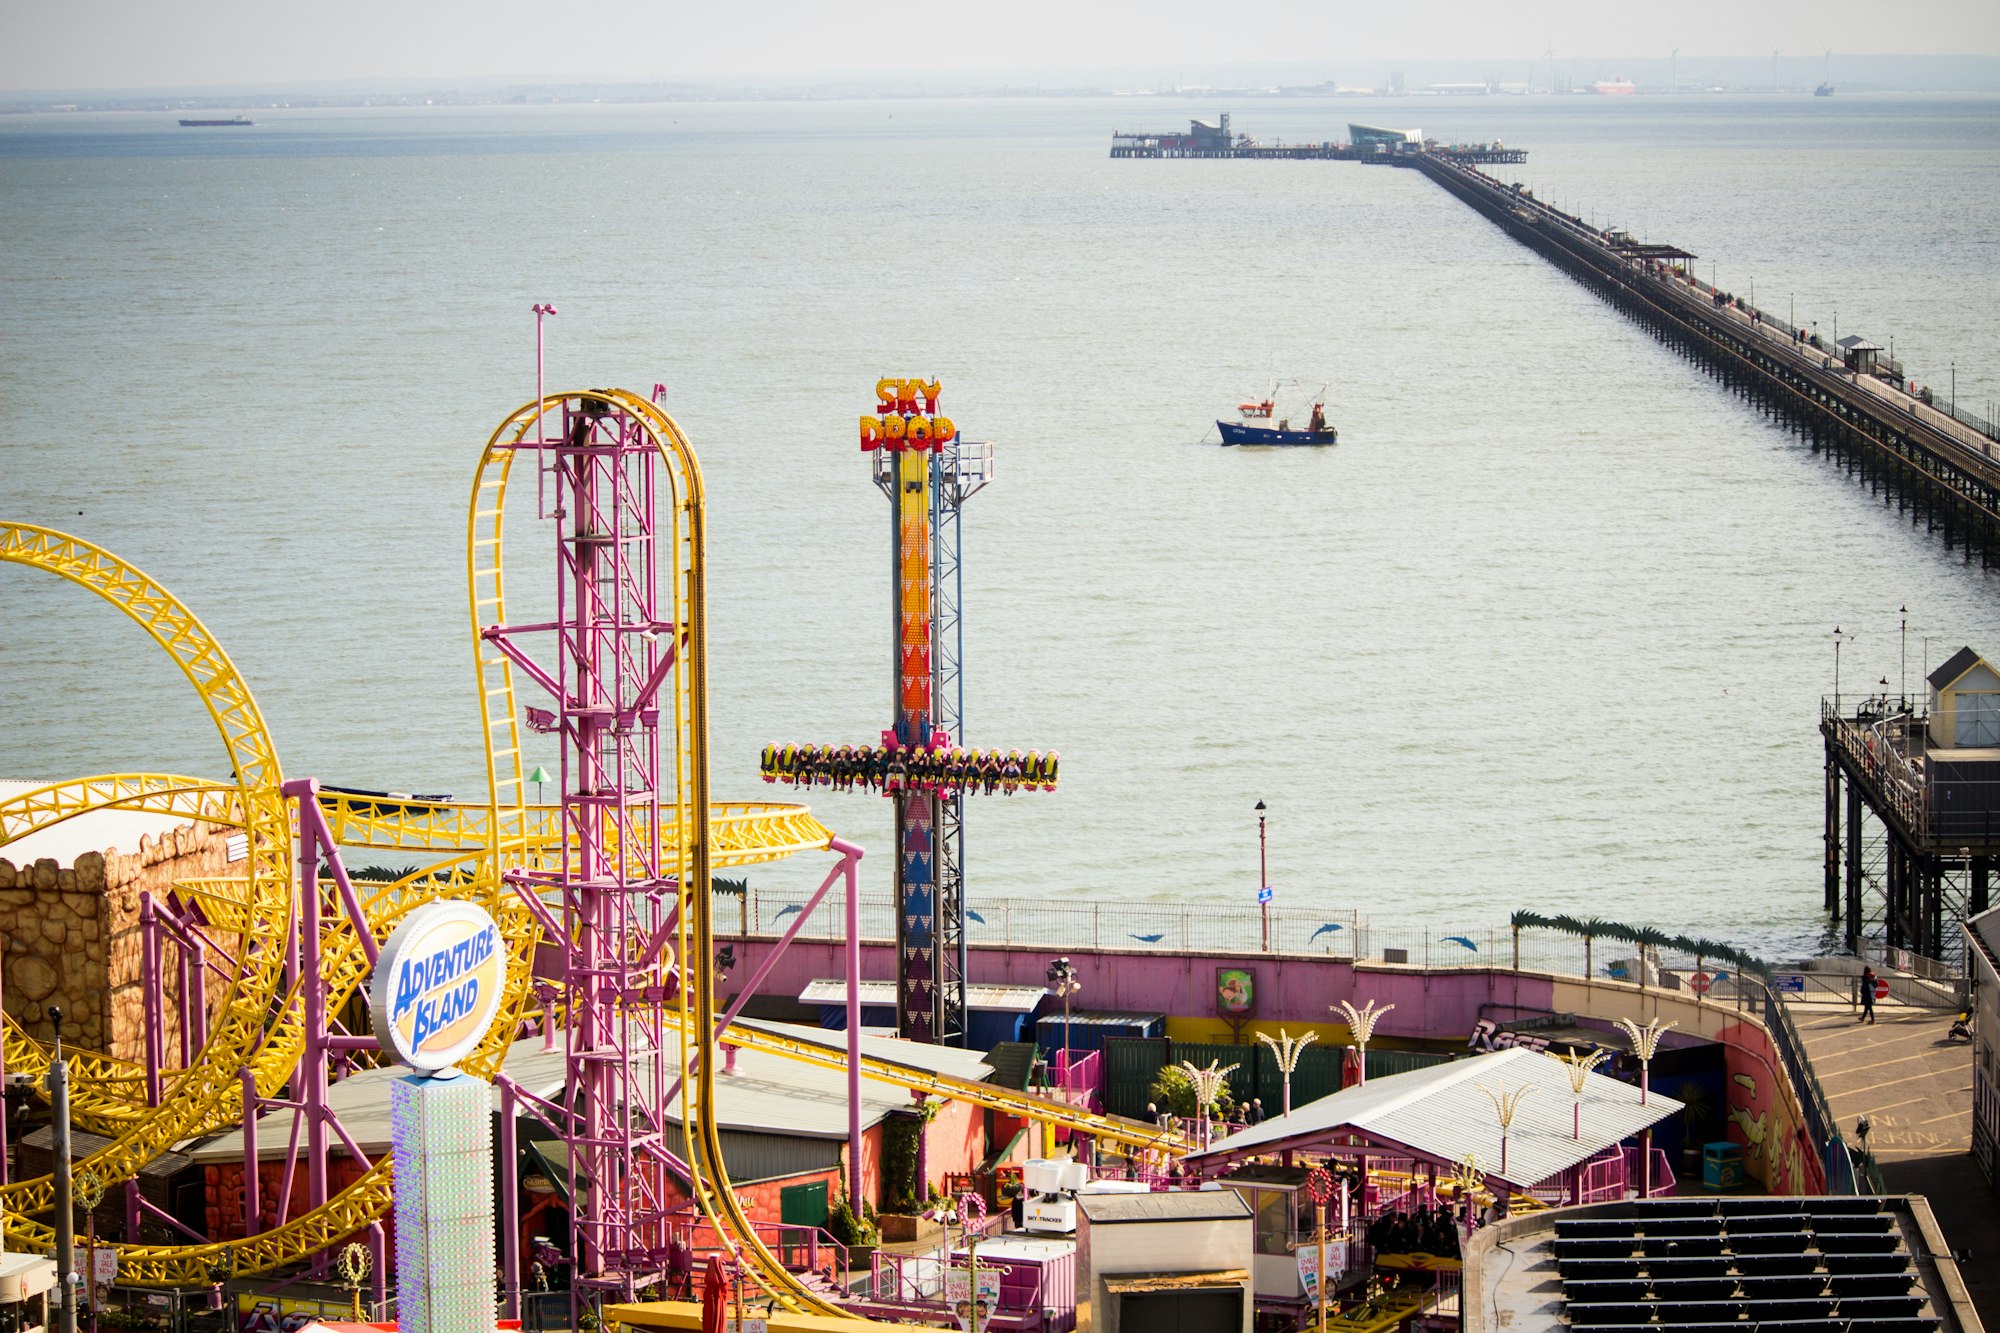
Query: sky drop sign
column 438, row 985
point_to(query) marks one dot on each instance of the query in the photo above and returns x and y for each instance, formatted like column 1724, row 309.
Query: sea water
column 1549, row 628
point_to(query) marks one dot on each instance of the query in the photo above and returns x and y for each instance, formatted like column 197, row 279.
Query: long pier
column 1851, row 406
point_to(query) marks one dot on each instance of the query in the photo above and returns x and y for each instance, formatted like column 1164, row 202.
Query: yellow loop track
column 259, row 1026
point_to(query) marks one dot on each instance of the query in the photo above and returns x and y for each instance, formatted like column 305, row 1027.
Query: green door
column 803, row 1205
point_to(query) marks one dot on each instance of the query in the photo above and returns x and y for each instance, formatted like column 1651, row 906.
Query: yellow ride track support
column 244, row 1022
column 259, row 1024
column 680, row 553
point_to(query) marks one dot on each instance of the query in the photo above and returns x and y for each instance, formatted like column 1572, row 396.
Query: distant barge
column 216, row 124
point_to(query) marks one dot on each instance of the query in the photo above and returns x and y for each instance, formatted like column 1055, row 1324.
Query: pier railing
column 1558, row 944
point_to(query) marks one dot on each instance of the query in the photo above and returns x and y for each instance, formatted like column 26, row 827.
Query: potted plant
column 856, row 1231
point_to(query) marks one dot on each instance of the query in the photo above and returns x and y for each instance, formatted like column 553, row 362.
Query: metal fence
column 1175, row 928
column 1847, row 1172
column 1132, row 1063
column 1589, row 948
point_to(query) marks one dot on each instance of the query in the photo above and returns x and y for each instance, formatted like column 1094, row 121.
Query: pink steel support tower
column 609, row 901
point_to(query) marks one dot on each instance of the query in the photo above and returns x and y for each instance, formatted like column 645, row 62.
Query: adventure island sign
column 438, row 985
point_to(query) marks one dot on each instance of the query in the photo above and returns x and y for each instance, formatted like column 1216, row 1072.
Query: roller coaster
column 613, row 880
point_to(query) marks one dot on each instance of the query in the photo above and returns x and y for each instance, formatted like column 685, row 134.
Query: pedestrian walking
column 1867, row 993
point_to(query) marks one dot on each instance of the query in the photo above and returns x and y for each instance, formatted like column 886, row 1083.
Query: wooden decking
column 1916, row 1090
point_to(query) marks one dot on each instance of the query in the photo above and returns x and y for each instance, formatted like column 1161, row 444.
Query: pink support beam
column 309, row 1082
column 155, row 1035
column 601, row 661
column 510, row 1207
column 854, row 1194
column 252, row 1206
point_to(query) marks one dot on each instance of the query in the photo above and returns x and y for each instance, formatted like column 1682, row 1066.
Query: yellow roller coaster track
column 108, row 1094
column 680, row 554
column 258, row 1024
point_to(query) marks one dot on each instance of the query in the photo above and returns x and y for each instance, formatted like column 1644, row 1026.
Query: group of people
column 894, row 768
column 1426, row 1230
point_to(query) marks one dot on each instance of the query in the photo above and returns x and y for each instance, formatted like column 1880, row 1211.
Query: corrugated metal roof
column 1098, row 1018
column 767, row 1094
column 1170, row 1206
column 1013, row 1064
column 978, row 995
column 1442, row 1113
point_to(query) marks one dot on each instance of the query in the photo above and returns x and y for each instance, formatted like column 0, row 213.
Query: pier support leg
column 1832, row 834
column 1853, row 867
column 1893, row 873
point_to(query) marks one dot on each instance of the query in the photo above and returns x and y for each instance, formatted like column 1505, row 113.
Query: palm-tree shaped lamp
column 1288, row 1050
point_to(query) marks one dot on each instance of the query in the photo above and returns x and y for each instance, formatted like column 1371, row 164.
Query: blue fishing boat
column 1258, row 427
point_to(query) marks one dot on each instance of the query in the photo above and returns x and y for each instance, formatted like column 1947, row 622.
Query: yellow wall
column 1216, row 1031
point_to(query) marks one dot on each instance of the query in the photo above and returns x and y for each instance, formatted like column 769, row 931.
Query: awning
column 1443, row 1113
column 550, row 1157
column 1221, row 1277
column 986, row 997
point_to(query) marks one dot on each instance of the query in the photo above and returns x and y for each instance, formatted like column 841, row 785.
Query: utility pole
column 58, row 1088
column 1263, row 880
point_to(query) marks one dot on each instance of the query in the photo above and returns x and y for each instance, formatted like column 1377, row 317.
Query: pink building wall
column 1761, row 1109
column 1291, row 990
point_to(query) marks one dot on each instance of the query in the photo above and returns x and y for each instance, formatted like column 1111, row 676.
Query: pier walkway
column 1915, row 1088
column 1941, row 459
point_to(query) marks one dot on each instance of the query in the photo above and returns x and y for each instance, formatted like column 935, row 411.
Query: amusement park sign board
column 438, row 985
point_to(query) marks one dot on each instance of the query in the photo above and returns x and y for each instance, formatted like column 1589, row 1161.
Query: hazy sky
column 113, row 44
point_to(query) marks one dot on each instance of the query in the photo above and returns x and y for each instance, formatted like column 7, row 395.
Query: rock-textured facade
column 73, row 940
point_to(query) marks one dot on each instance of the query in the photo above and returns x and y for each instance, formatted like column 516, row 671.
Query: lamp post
column 1263, row 880
column 1577, row 1068
column 354, row 1265
column 1903, row 688
column 542, row 311
column 1837, row 637
column 1645, row 1041
column 1505, row 1106
column 1208, row 1085
column 1288, row 1050
column 58, row 1089
column 89, row 1188
column 1063, row 983
column 1362, row 1021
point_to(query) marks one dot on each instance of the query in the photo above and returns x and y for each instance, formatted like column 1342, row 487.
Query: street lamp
column 1577, row 1067
column 1506, row 1105
column 1288, row 1050
column 1208, row 1084
column 1063, row 983
column 1903, row 689
column 1645, row 1043
column 1263, row 880
column 1362, row 1022
column 89, row 1188
column 1837, row 637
